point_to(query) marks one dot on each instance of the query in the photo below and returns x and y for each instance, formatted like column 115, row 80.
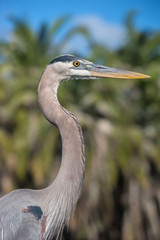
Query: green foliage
column 120, row 120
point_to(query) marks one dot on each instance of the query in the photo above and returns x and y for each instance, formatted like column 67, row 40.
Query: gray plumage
column 42, row 214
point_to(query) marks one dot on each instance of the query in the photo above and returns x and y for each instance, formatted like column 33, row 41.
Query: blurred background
column 120, row 118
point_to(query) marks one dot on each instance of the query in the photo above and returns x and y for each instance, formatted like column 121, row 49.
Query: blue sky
column 104, row 18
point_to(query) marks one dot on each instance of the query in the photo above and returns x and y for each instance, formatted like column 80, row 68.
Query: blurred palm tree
column 122, row 190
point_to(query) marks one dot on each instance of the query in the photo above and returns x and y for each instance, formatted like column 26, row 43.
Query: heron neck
column 69, row 179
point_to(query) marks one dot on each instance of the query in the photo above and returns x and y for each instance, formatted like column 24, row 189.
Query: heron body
column 27, row 214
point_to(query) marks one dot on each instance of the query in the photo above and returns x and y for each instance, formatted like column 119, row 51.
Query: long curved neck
column 68, row 182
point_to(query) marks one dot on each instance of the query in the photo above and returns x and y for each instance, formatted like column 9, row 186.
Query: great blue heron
column 42, row 214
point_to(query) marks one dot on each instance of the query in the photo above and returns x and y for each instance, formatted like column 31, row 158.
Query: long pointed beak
column 107, row 72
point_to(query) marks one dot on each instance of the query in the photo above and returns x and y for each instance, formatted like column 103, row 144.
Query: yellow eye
column 76, row 63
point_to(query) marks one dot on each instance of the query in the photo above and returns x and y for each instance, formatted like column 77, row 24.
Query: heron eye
column 76, row 63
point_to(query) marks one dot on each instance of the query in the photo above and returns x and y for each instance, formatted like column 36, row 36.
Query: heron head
column 71, row 67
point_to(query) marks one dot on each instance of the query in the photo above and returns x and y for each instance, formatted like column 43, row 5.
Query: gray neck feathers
column 61, row 196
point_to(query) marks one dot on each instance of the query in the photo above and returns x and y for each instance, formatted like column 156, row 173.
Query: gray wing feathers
column 20, row 219
column 30, row 228
column 25, row 227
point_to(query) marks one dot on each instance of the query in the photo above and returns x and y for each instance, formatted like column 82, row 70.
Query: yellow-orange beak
column 107, row 72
